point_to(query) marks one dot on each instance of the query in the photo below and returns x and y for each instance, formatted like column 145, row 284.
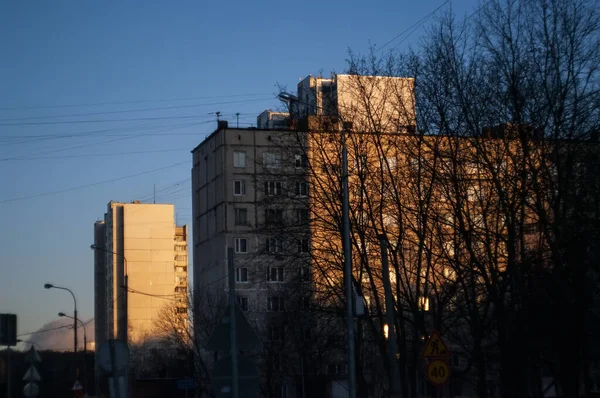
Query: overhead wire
column 121, row 138
column 103, row 154
column 134, row 110
column 91, row 185
column 417, row 24
column 131, row 102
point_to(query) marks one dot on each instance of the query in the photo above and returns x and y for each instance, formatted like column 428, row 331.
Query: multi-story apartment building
column 140, row 261
column 252, row 192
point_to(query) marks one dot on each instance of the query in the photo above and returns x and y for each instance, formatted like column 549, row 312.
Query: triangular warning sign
column 435, row 347
column 32, row 374
column 77, row 386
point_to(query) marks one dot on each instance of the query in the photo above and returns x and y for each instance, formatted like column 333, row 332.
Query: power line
column 44, row 330
column 130, row 102
column 103, row 120
column 103, row 154
column 92, row 184
column 417, row 24
column 95, row 143
column 134, row 110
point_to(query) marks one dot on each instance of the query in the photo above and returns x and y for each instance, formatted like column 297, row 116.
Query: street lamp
column 62, row 314
column 124, row 318
column 290, row 99
column 50, row 286
column 30, row 343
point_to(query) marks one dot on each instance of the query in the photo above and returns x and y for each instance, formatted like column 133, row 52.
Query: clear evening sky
column 135, row 83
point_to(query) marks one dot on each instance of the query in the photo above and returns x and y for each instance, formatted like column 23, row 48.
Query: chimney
column 222, row 124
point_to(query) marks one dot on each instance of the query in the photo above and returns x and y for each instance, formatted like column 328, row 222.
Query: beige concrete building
column 252, row 191
column 138, row 246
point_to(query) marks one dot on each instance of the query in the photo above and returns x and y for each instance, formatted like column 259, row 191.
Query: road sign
column 31, row 390
column 8, row 329
column 438, row 372
column 32, row 374
column 77, row 386
column 220, row 339
column 32, row 356
column 248, row 378
column 435, row 347
column 119, row 350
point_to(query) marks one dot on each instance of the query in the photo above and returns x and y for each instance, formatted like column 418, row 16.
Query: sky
column 104, row 101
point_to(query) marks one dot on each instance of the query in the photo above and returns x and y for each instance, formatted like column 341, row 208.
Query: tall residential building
column 248, row 182
column 140, row 267
column 252, row 192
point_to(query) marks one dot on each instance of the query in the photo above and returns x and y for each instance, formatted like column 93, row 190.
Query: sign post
column 437, row 354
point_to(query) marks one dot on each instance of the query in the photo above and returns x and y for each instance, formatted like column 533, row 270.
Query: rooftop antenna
column 237, row 118
column 218, row 115
column 154, row 193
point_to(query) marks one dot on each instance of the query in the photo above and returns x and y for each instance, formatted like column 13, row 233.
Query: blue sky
column 136, row 83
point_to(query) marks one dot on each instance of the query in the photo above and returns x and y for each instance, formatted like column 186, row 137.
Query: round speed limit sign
column 438, row 372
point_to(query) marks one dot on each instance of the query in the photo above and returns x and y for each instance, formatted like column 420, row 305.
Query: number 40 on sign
column 438, row 372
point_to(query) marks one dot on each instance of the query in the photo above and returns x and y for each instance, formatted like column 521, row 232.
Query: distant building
column 269, row 120
column 141, row 243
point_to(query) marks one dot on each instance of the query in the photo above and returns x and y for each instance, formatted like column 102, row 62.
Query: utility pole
column 389, row 309
column 348, row 268
column 234, row 362
column 237, row 117
column 8, row 372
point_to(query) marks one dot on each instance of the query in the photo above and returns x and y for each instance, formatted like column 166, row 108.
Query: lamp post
column 124, row 318
column 50, row 286
column 62, row 314
column 289, row 99
column 30, row 343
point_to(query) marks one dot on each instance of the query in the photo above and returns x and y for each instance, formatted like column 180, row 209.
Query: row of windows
column 270, row 159
column 274, row 303
column 272, row 216
column 274, row 274
column 272, row 245
column 272, row 188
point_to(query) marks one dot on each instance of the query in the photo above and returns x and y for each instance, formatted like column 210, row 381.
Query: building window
column 390, row 162
column 180, row 248
column 243, row 302
column 302, row 216
column 239, row 187
column 180, row 269
column 241, row 245
column 275, row 303
column 181, row 310
column 274, row 216
column 304, row 274
column 180, row 289
column 303, row 246
column 271, row 160
column 239, row 159
column 275, row 274
column 181, row 258
column 424, row 303
column 273, row 188
column 301, row 188
column 241, row 275
column 301, row 161
column 273, row 245
column 241, row 216
column 275, row 333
